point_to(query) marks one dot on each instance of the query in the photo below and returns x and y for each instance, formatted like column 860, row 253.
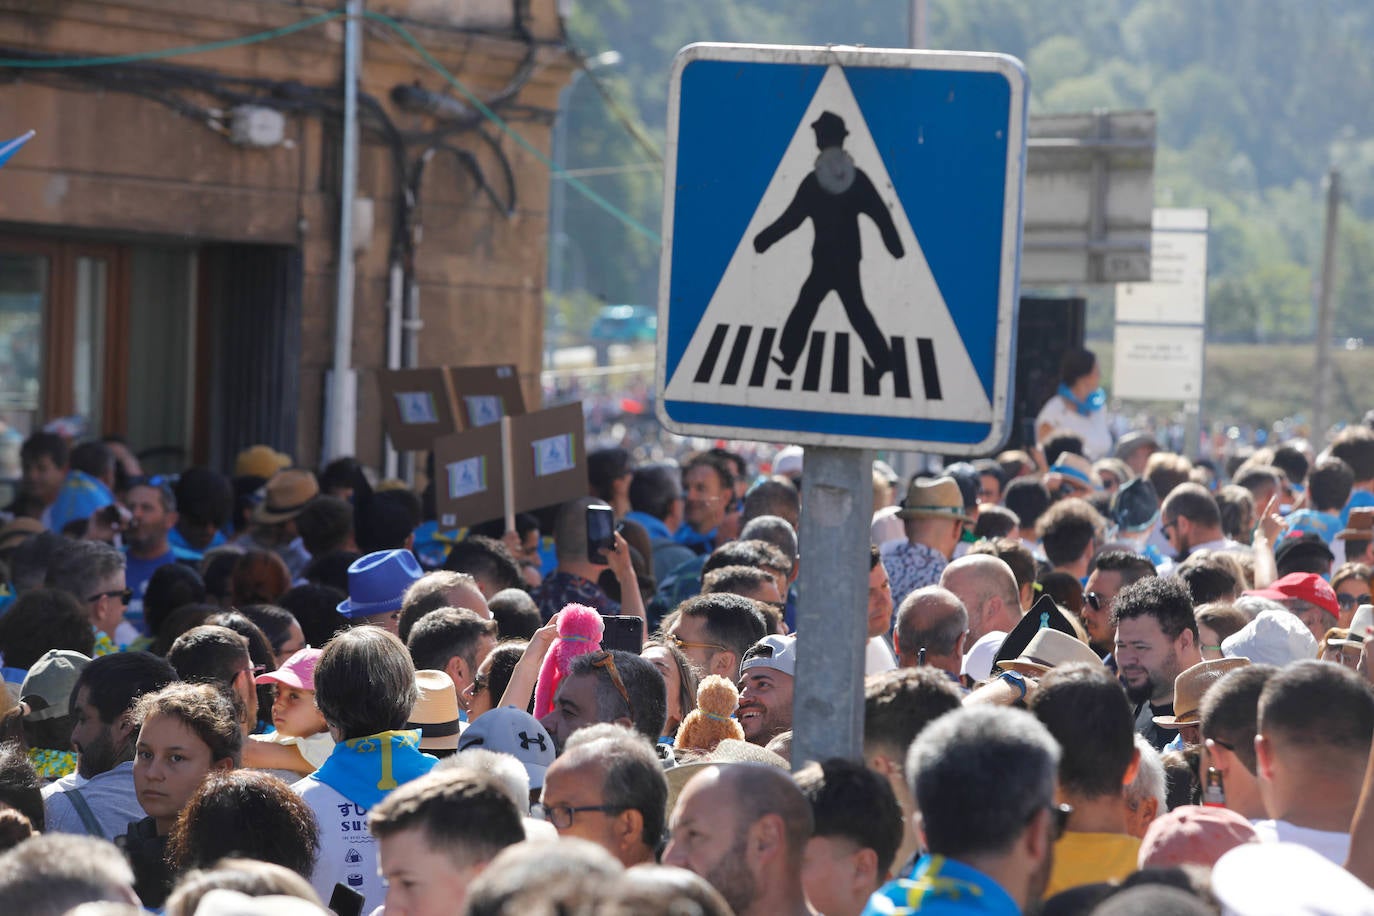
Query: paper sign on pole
column 417, row 406
column 486, row 394
column 549, row 456
column 469, row 476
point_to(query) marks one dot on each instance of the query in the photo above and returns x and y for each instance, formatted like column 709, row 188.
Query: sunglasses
column 1352, row 600
column 1094, row 600
column 125, row 595
column 684, row 644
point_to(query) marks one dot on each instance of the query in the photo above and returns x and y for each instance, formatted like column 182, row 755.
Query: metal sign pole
column 832, row 623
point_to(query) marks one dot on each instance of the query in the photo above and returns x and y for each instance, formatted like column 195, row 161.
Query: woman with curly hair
column 244, row 814
column 187, row 731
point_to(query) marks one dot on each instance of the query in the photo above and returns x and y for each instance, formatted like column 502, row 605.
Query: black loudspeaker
column 1046, row 330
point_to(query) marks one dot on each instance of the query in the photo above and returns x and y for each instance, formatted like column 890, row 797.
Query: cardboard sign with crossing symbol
column 843, row 230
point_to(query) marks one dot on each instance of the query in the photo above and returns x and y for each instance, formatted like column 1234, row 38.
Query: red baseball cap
column 1309, row 587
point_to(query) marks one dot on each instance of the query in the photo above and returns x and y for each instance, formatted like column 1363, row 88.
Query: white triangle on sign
column 725, row 362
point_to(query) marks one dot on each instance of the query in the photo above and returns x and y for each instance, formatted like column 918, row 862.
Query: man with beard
column 999, row 763
column 153, row 511
column 99, row 799
column 765, row 688
column 1112, row 571
column 1190, row 520
column 744, row 828
column 1156, row 639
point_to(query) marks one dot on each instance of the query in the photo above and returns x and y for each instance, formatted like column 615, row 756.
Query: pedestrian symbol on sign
column 833, row 197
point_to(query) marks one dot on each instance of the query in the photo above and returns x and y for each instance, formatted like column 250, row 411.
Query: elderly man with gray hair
column 984, row 780
column 609, row 787
column 1146, row 798
column 932, row 629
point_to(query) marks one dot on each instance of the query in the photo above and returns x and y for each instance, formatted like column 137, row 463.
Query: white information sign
column 1158, row 362
column 1177, row 291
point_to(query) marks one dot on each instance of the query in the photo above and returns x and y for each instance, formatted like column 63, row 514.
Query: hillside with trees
column 1256, row 99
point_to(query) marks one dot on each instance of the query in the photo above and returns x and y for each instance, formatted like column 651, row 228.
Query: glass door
column 23, row 303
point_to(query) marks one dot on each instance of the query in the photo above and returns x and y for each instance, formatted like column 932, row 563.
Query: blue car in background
column 622, row 324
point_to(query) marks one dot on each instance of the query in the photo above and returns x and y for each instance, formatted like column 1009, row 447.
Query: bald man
column 744, row 828
column 987, row 587
column 932, row 629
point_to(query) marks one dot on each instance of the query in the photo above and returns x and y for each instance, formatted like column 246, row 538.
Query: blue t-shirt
column 80, row 496
column 136, row 575
column 1326, row 524
column 1359, row 499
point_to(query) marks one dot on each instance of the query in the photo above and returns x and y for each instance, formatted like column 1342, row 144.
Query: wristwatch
column 1017, row 680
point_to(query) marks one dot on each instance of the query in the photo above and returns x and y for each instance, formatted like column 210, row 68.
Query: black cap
column 1297, row 544
column 1044, row 613
column 1135, row 505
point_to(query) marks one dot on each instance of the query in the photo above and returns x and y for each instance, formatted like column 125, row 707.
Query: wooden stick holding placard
column 508, row 478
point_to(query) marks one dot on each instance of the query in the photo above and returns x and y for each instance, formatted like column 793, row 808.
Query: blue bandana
column 1089, row 405
column 364, row 770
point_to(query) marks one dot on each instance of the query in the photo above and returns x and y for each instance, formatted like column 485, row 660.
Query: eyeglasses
column 561, row 816
column 684, row 644
column 255, row 671
column 1165, row 526
column 479, row 683
column 1226, row 744
column 125, row 595
column 1213, row 648
column 607, row 661
column 1352, row 600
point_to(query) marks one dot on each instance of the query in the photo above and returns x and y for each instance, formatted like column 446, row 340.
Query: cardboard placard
column 470, row 477
column 417, row 406
column 549, row 456
column 485, row 394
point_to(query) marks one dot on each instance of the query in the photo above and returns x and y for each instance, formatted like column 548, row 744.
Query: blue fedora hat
column 378, row 581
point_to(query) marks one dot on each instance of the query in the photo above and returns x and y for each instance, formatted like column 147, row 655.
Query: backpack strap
column 83, row 810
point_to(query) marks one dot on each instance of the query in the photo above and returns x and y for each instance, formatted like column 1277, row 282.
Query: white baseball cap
column 511, row 730
column 776, row 652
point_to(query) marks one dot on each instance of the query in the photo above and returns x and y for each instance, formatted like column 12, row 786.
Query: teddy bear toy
column 710, row 723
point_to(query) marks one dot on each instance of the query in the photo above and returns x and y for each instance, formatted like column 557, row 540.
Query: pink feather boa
column 579, row 633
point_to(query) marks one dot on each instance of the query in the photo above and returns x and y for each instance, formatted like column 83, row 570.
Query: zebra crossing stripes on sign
column 828, row 364
column 843, row 271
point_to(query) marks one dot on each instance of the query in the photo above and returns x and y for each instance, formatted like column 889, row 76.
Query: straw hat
column 938, row 497
column 1360, row 527
column 435, row 714
column 1191, row 684
column 260, row 461
column 1048, row 649
column 287, row 493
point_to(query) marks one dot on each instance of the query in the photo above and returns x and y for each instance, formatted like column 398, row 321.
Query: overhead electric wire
column 68, row 63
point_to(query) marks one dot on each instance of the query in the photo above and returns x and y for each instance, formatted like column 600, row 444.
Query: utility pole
column 1326, row 292
column 917, row 24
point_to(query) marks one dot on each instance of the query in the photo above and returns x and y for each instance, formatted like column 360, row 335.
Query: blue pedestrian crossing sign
column 841, row 246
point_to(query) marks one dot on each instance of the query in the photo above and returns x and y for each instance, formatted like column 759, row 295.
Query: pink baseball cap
column 1193, row 835
column 297, row 671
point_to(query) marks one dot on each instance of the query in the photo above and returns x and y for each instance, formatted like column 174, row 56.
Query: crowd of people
column 1100, row 678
